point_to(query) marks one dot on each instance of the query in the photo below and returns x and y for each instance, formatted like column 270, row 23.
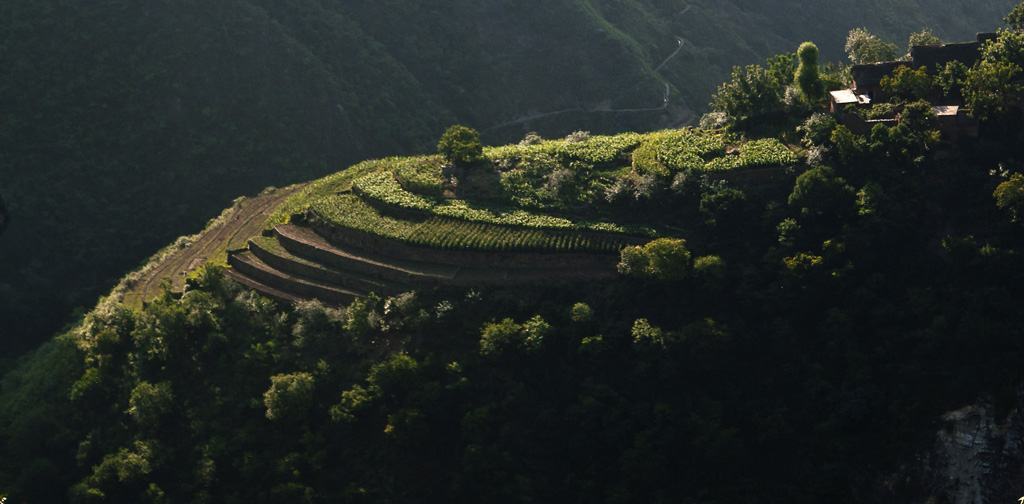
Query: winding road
column 592, row 110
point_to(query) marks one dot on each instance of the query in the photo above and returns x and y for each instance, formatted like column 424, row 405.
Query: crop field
column 348, row 210
column 544, row 191
column 382, row 188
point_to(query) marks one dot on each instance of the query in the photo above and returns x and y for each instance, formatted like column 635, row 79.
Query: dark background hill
column 126, row 124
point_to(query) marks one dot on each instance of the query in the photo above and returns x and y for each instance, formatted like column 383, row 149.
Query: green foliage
column 919, row 116
column 383, row 188
column 167, row 399
column 820, row 192
column 595, row 149
column 499, row 337
column 952, row 77
column 230, row 98
column 551, row 171
column 912, row 138
column 765, row 152
column 710, row 267
column 395, row 374
column 863, row 48
column 670, row 151
column 420, row 174
column 908, row 84
column 646, row 334
column 457, row 234
column 664, row 259
column 289, row 396
column 807, row 77
column 723, row 206
column 1015, row 19
column 460, row 145
column 495, row 338
column 802, row 263
column 755, row 90
column 581, row 312
column 1009, row 196
column 148, row 402
column 817, row 129
column 992, row 87
column 847, row 143
column 922, row 38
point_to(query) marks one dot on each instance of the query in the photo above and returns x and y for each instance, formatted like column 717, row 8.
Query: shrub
column 817, row 129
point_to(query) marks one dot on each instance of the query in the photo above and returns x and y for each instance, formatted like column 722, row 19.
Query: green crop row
column 766, row 152
column 347, row 210
column 758, row 153
column 421, row 174
column 595, row 149
column 600, row 148
column 382, row 187
column 668, row 151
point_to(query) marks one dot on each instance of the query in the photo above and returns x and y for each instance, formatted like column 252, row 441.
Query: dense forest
column 127, row 124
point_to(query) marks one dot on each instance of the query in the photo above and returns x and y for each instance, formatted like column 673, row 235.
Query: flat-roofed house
column 867, row 79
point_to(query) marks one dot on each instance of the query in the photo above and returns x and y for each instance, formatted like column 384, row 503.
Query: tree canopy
column 460, row 145
column 863, row 47
column 993, row 85
column 664, row 259
column 909, row 84
column 756, row 90
column 807, row 76
column 1015, row 19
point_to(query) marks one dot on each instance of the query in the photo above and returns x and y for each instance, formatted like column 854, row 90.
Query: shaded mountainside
column 829, row 345
column 125, row 124
column 804, row 321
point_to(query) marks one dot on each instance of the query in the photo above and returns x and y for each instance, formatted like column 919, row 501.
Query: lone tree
column 807, row 77
column 460, row 145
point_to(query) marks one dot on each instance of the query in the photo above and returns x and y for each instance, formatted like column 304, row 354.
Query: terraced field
column 299, row 262
column 336, row 263
column 392, row 225
column 243, row 221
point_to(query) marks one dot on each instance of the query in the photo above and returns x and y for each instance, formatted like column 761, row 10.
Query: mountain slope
column 126, row 124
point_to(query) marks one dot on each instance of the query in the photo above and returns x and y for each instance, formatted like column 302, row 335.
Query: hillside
column 686, row 314
column 126, row 125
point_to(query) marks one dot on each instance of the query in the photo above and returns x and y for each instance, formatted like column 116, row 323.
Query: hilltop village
column 871, row 85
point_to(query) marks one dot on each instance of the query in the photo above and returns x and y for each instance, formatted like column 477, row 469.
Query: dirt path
column 245, row 221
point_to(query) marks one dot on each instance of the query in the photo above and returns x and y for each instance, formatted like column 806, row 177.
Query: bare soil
column 246, row 221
